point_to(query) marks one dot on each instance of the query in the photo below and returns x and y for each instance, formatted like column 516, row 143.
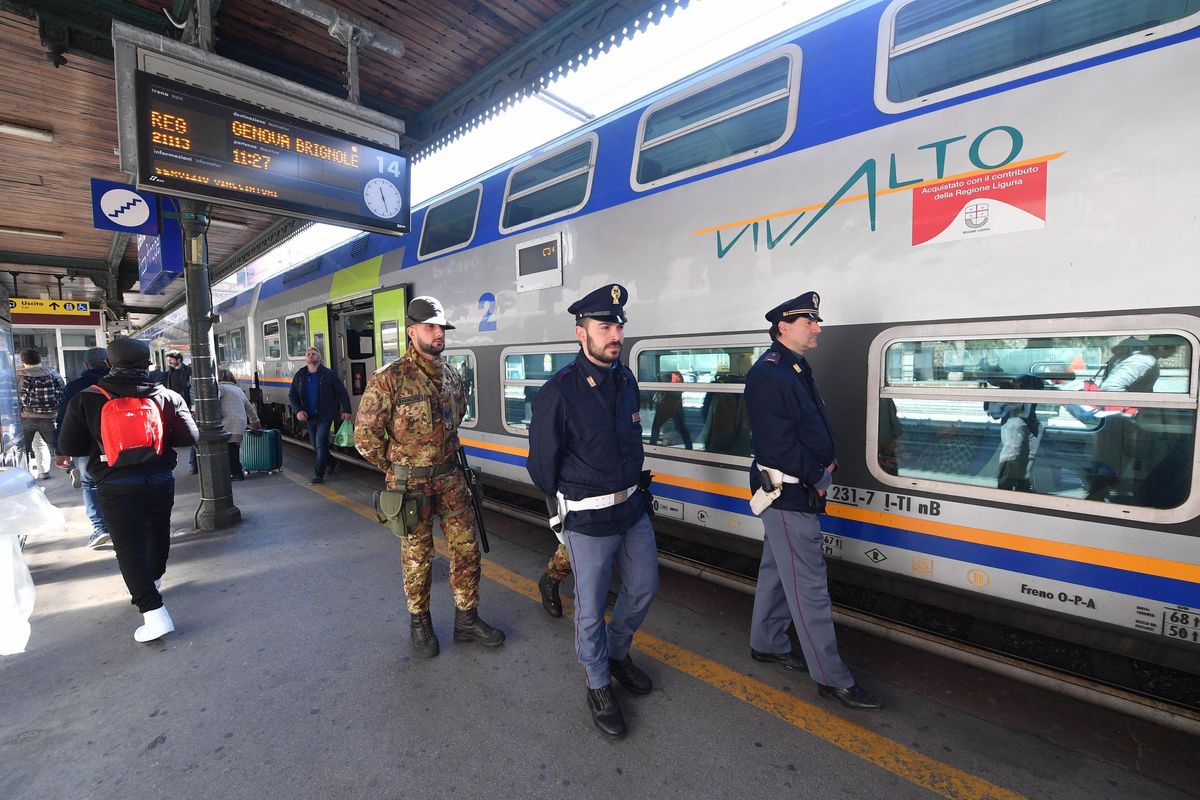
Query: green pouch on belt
column 389, row 510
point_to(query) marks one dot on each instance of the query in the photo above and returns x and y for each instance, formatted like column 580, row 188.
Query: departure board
column 194, row 143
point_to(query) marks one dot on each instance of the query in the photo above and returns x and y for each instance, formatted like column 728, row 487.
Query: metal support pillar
column 217, row 510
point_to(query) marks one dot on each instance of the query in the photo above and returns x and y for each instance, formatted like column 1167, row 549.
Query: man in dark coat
column 136, row 487
column 318, row 397
column 95, row 362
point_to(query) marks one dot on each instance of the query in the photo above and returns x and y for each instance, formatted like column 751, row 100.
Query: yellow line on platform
column 915, row 767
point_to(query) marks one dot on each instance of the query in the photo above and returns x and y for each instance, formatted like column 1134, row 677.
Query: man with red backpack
column 128, row 426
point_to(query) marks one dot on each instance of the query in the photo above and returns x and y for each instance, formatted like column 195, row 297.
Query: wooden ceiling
column 462, row 57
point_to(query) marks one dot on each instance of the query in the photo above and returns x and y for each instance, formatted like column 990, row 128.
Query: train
column 992, row 200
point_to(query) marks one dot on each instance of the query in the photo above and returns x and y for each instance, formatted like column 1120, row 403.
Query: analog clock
column 382, row 198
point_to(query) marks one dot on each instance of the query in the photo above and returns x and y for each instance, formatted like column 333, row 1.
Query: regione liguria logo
column 975, row 215
column 125, row 208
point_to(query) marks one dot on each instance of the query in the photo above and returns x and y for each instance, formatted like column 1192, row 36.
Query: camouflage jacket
column 410, row 413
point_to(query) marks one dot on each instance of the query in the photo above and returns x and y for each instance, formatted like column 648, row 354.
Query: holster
column 399, row 510
column 816, row 500
column 644, row 481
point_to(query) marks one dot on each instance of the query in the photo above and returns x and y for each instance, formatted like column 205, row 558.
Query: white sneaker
column 158, row 624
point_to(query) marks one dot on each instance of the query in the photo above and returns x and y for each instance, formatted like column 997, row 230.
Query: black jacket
column 586, row 440
column 80, row 431
column 88, row 378
column 331, row 394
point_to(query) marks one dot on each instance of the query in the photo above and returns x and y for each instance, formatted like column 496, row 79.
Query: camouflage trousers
column 451, row 502
column 560, row 564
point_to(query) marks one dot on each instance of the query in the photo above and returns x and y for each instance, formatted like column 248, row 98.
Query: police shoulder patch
column 771, row 357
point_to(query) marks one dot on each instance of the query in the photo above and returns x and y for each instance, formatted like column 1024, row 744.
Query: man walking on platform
column 95, row 362
column 793, row 467
column 128, row 426
column 40, row 395
column 178, row 378
column 585, row 453
column 318, row 398
column 408, row 426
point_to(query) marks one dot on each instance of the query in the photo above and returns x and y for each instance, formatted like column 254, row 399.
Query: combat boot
column 550, row 599
column 424, row 640
column 468, row 627
column 605, row 711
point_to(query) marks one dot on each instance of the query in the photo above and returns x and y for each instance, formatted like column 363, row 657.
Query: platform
column 289, row 676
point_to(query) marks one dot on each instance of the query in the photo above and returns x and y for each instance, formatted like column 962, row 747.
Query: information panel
column 194, row 143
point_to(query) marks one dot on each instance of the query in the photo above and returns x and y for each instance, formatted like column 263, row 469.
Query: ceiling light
column 31, row 232
column 228, row 223
column 26, row 133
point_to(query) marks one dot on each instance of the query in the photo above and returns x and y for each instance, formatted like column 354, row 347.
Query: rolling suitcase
column 262, row 451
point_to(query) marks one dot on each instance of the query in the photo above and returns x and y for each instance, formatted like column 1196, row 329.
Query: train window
column 553, row 186
column 271, row 339
column 524, row 373
column 237, row 344
column 943, row 48
column 464, row 362
column 1099, row 422
column 692, row 395
column 296, row 332
column 450, row 225
column 735, row 118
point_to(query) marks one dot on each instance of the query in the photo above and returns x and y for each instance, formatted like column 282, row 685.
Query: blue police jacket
column 787, row 425
column 586, row 440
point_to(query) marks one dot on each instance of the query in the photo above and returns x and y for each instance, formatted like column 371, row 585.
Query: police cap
column 606, row 304
column 807, row 305
column 427, row 310
column 129, row 353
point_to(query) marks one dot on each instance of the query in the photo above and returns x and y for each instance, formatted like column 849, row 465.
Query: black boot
column 424, row 640
column 605, row 711
column 629, row 676
column 550, row 599
column 468, row 627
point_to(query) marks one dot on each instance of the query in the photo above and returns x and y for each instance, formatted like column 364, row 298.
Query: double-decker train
column 993, row 201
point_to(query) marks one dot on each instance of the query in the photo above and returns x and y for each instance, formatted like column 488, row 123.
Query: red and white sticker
column 1002, row 201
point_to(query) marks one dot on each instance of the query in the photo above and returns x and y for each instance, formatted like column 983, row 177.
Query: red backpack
column 131, row 429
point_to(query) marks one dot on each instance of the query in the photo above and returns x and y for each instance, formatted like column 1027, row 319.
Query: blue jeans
column 318, row 436
column 91, row 502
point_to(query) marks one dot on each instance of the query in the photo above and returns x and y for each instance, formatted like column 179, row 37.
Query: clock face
column 382, row 198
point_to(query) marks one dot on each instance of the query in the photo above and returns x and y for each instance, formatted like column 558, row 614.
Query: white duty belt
column 586, row 504
column 762, row 500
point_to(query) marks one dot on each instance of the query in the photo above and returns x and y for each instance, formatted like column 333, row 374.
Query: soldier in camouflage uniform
column 408, row 426
column 558, row 569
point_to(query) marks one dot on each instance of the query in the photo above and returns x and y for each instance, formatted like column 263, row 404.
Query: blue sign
column 118, row 207
column 160, row 258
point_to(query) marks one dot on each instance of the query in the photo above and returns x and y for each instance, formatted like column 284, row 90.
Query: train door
column 351, row 344
column 389, row 306
column 318, row 333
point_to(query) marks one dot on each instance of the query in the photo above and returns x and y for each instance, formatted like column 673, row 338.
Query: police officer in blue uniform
column 585, row 453
column 793, row 467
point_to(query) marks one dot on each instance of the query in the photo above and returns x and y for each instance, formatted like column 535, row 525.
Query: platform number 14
column 390, row 166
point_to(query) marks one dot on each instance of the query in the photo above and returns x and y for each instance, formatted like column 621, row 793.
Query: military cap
column 427, row 310
column 806, row 305
column 606, row 304
column 129, row 353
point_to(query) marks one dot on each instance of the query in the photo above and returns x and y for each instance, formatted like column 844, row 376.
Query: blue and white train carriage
column 994, row 200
